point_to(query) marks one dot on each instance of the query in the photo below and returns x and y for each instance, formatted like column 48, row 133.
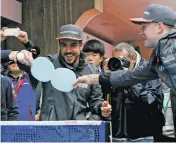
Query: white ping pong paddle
column 42, row 69
column 61, row 78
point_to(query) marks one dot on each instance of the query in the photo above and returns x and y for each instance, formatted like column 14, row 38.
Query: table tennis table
column 55, row 131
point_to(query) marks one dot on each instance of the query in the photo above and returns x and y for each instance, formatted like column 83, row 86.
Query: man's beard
column 74, row 63
column 150, row 44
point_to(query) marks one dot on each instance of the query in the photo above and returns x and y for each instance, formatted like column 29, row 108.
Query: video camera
column 118, row 63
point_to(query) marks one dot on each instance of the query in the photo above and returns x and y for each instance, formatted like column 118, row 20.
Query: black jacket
column 137, row 110
column 9, row 110
column 57, row 105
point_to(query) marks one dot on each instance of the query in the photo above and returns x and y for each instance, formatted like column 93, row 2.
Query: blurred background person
column 9, row 110
column 24, row 94
column 23, row 91
column 136, row 110
column 94, row 51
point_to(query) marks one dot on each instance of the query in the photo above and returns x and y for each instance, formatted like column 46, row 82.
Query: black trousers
column 163, row 138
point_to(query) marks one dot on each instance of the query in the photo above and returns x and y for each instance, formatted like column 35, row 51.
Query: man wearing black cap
column 57, row 105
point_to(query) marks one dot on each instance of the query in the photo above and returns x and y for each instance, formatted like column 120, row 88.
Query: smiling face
column 70, row 50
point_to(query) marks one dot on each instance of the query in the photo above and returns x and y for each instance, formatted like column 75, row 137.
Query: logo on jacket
column 161, row 68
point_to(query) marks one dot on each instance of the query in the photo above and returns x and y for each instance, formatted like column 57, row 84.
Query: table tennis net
column 54, row 131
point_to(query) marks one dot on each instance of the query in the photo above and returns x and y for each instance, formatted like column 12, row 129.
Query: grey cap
column 70, row 31
column 157, row 13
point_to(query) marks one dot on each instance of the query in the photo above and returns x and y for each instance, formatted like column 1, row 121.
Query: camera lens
column 114, row 64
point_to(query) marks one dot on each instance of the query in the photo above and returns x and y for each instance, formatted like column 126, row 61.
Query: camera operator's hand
column 25, row 57
column 87, row 79
column 23, row 37
column 13, row 55
column 106, row 109
column 2, row 34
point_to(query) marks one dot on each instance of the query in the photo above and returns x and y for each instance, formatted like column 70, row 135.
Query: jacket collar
column 165, row 42
column 13, row 78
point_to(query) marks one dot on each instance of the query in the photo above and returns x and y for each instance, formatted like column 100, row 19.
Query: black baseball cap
column 70, row 31
column 157, row 13
column 8, row 63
